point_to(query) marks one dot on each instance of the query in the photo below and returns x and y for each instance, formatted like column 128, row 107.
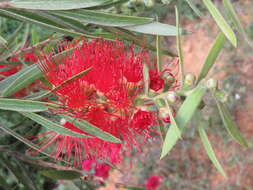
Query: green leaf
column 209, row 150
column 100, row 18
column 19, row 80
column 61, row 174
column 40, row 18
column 172, row 135
column 109, row 4
column 184, row 115
column 11, row 38
column 45, row 94
column 35, row 36
column 146, row 79
column 155, row 28
column 189, row 106
column 179, row 45
column 233, row 16
column 23, row 105
column 194, row 8
column 22, row 139
column 53, row 126
column 229, row 124
column 18, row 173
column 91, row 129
column 2, row 40
column 158, row 53
column 134, row 188
column 26, row 176
column 123, row 33
column 212, row 55
column 12, row 44
column 3, row 183
column 225, row 28
column 56, row 4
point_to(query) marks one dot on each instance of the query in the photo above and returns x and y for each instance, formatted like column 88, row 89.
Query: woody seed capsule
column 189, row 79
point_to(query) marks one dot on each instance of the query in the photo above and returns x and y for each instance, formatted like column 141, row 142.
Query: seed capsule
column 172, row 97
column 212, row 84
column 189, row 79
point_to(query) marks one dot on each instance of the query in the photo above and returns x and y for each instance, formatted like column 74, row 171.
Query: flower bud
column 212, row 84
column 164, row 114
column 63, row 121
column 170, row 79
column 172, row 97
column 189, row 79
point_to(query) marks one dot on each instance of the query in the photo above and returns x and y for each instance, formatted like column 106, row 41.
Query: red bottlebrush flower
column 102, row 170
column 30, row 57
column 87, row 165
column 153, row 182
column 156, row 81
column 104, row 97
column 142, row 119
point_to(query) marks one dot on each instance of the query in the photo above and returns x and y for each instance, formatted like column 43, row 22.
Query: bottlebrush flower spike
column 104, row 97
column 153, row 182
column 100, row 169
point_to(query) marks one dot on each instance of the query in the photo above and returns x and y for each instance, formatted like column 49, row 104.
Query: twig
column 28, row 49
column 37, row 162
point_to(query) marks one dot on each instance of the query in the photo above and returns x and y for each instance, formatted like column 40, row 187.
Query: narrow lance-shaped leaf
column 19, row 80
column 158, row 53
column 18, row 173
column 12, row 45
column 61, row 174
column 225, row 28
column 130, row 36
column 27, row 142
column 134, row 188
column 26, row 175
column 101, row 18
column 53, row 126
column 36, row 18
column 35, row 36
column 91, row 129
column 184, row 115
column 2, row 40
column 172, row 135
column 109, row 4
column 233, row 16
column 212, row 55
column 179, row 46
column 194, row 7
column 229, row 124
column 3, row 182
column 24, row 105
column 155, row 28
column 146, row 79
column 207, row 145
column 22, row 139
column 55, row 4
column 189, row 106
column 62, row 84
